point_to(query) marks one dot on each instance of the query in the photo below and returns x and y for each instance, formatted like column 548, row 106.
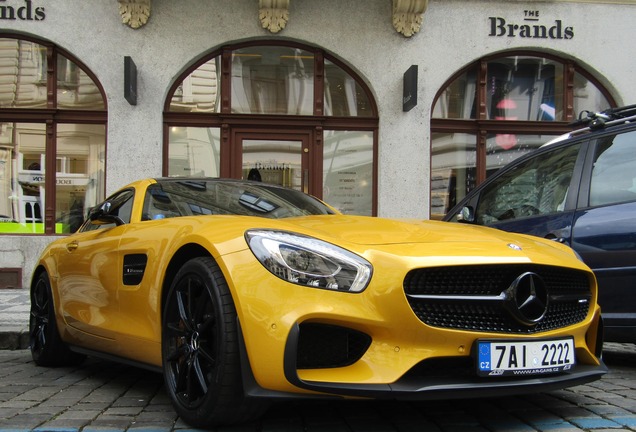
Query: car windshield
column 186, row 197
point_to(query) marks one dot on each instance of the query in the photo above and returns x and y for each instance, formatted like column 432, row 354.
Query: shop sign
column 38, row 180
column 530, row 28
column 24, row 10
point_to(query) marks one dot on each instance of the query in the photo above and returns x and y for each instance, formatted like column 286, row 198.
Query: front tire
column 47, row 347
column 200, row 349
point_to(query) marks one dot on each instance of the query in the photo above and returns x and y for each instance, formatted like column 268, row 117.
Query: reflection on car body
column 241, row 292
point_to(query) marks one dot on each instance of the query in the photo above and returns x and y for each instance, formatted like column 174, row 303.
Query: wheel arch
column 183, row 255
column 36, row 274
column 40, row 269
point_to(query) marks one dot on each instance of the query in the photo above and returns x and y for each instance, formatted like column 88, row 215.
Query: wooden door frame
column 311, row 159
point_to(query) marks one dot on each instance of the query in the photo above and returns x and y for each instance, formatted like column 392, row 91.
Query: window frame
column 229, row 122
column 481, row 127
column 52, row 116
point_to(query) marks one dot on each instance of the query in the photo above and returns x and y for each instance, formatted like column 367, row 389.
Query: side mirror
column 101, row 215
column 466, row 215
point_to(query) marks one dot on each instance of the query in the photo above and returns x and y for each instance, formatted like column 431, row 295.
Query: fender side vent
column 134, row 268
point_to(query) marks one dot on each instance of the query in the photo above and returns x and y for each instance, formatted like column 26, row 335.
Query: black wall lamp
column 409, row 92
column 130, row 80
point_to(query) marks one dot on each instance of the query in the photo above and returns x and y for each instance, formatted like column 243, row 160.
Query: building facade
column 391, row 108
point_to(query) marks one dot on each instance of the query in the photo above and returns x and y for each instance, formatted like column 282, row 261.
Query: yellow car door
column 89, row 270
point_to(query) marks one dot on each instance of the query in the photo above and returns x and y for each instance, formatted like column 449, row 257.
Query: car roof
column 595, row 121
column 223, row 180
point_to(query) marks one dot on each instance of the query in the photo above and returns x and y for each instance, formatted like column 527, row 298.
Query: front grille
column 455, row 297
column 329, row 346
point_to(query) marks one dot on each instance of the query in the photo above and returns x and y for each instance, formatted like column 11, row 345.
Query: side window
column 614, row 171
column 535, row 187
column 121, row 205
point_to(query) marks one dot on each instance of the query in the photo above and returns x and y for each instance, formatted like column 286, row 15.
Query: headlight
column 308, row 261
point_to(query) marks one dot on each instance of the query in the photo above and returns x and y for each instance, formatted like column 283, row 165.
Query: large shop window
column 52, row 139
column 278, row 113
column 499, row 109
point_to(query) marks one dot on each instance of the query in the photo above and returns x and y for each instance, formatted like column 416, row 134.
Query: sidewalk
column 14, row 319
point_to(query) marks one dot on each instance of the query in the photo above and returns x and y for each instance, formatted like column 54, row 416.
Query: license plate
column 505, row 358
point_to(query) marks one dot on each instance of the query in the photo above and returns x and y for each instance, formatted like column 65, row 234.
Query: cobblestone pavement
column 14, row 318
column 101, row 396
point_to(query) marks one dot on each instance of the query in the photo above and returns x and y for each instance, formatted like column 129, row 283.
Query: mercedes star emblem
column 527, row 298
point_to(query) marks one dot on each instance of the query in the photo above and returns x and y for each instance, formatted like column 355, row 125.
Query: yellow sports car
column 241, row 292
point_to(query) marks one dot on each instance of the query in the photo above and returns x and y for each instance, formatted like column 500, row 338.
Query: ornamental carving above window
column 274, row 14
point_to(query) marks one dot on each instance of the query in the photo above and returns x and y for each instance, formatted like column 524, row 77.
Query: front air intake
column 329, row 346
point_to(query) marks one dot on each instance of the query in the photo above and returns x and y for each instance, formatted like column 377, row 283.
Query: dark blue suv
column 579, row 189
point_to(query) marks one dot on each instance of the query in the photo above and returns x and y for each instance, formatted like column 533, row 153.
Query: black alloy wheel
column 47, row 347
column 200, row 349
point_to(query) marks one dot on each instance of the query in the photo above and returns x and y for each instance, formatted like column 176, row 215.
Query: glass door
column 280, row 159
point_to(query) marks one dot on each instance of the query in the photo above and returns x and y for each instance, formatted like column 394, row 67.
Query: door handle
column 306, row 181
column 72, row 246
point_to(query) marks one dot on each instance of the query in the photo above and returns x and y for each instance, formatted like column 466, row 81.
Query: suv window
column 537, row 186
column 614, row 171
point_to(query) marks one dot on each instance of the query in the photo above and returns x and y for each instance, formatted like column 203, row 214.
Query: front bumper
column 396, row 364
column 455, row 382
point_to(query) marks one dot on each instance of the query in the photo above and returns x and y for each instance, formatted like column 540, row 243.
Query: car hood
column 433, row 239
column 378, row 231
column 418, row 239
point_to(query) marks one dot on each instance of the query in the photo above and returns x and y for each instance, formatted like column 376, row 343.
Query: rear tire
column 47, row 347
column 200, row 352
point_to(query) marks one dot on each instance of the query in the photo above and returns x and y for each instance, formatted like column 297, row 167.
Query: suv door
column 536, row 195
column 604, row 231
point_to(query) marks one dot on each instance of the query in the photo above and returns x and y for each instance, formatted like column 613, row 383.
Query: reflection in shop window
column 23, row 69
column 521, row 94
column 501, row 149
column 272, row 80
column 75, row 89
column 194, row 152
column 453, row 170
column 524, row 88
column 348, row 171
column 25, row 147
column 344, row 96
column 22, row 160
column 587, row 96
column 273, row 161
column 457, row 101
column 278, row 81
column 79, row 176
column 199, row 91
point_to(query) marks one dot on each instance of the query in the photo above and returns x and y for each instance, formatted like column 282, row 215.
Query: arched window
column 498, row 109
column 52, row 138
column 287, row 114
